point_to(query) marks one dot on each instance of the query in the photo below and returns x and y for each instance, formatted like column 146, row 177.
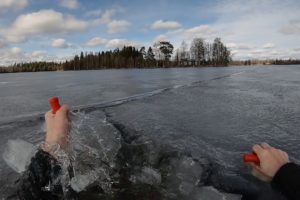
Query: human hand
column 271, row 160
column 58, row 127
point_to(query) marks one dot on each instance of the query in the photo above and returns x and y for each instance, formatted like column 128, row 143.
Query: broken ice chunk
column 18, row 153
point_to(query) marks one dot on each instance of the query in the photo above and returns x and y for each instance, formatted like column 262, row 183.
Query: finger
column 256, row 173
column 257, row 149
column 48, row 115
column 286, row 156
column 64, row 110
column 266, row 146
column 283, row 155
column 250, row 164
column 255, row 166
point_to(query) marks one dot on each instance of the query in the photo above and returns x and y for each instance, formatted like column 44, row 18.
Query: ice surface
column 218, row 119
column 95, row 144
column 80, row 181
column 148, row 176
column 210, row 193
column 18, row 153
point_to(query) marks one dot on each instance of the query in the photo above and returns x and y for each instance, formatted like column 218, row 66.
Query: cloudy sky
column 34, row 30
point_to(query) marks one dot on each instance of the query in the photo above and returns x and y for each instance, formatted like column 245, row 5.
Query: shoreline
column 129, row 68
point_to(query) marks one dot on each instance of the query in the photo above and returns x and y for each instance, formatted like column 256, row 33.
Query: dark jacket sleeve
column 287, row 180
column 39, row 181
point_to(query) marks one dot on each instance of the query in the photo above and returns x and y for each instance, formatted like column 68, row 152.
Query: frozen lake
column 182, row 129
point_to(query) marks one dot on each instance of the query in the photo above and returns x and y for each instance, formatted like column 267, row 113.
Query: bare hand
column 58, row 127
column 271, row 160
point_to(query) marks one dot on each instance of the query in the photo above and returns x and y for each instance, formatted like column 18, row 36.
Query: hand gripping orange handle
column 251, row 157
column 54, row 103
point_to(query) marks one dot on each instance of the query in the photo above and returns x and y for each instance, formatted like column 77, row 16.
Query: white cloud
column 117, row 26
column 177, row 36
column 2, row 43
column 119, row 43
column 111, row 44
column 258, row 51
column 245, row 27
column 269, row 46
column 96, row 41
column 16, row 51
column 233, row 52
column 70, row 4
column 13, row 4
column 293, row 27
column 104, row 17
column 160, row 24
column 60, row 43
column 232, row 45
column 41, row 23
column 10, row 56
column 275, row 53
column 17, row 55
column 94, row 13
column 38, row 54
column 269, row 54
column 235, row 46
column 203, row 31
column 295, row 55
column 255, row 22
column 161, row 37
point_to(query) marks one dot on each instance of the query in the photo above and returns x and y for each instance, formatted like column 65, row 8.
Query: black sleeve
column 39, row 181
column 287, row 180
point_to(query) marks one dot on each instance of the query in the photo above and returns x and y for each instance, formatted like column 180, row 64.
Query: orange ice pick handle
column 251, row 157
column 54, row 103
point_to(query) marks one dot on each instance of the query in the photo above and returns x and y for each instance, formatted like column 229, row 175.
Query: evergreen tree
column 150, row 55
column 166, row 48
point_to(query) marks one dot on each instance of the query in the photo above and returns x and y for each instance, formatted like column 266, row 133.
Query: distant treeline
column 267, row 62
column 32, row 67
column 200, row 53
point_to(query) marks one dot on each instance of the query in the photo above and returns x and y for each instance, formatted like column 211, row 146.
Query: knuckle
column 275, row 151
column 63, row 109
column 47, row 115
column 265, row 153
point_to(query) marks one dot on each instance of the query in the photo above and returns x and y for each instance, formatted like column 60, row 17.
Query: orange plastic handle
column 54, row 103
column 251, row 157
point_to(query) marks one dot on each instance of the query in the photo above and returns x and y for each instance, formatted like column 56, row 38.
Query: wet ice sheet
column 90, row 87
column 210, row 193
column 210, row 123
column 220, row 120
